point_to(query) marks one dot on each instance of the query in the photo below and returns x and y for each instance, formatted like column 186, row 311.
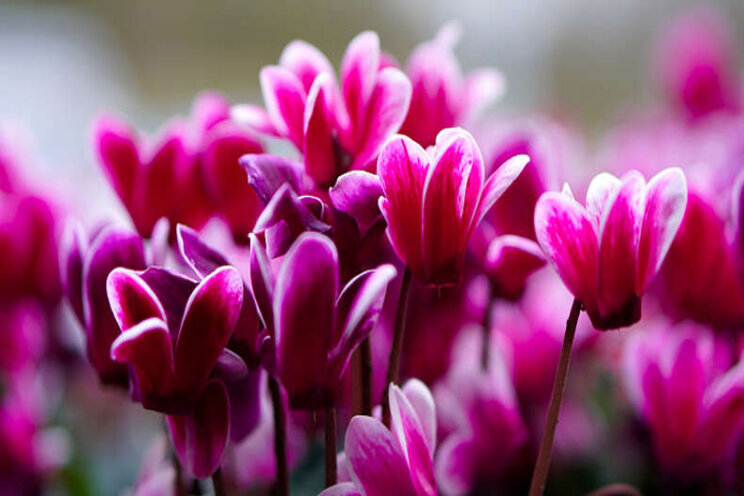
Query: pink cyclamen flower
column 314, row 326
column 174, row 333
column 433, row 202
column 696, row 62
column 336, row 128
column 442, row 97
column 85, row 266
column 686, row 387
column 608, row 251
column 195, row 160
column 398, row 460
column 486, row 427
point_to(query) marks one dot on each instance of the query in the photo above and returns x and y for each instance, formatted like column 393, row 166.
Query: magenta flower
column 394, row 461
column 315, row 328
column 197, row 160
column 685, row 387
column 696, row 63
column 432, row 203
column 608, row 252
column 85, row 266
column 174, row 333
column 23, row 336
column 442, row 97
column 336, row 129
column 486, row 425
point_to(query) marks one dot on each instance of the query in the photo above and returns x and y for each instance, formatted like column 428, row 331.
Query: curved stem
column 396, row 348
column 365, row 353
column 280, row 438
column 218, row 482
column 540, row 475
column 330, row 446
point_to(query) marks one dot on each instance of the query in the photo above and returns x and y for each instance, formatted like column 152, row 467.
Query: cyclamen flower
column 683, row 385
column 442, row 97
column 398, row 460
column 174, row 333
column 196, row 160
column 608, row 252
column 336, row 129
column 314, row 327
column 85, row 266
column 433, row 202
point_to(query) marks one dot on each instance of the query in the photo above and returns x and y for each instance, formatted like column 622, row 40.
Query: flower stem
column 365, row 353
column 396, row 347
column 540, row 475
column 330, row 446
column 218, row 482
column 486, row 345
column 280, row 438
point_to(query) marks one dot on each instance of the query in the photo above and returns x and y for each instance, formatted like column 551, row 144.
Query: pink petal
column 342, row 489
column 255, row 118
column 305, row 61
column 386, row 111
column 318, row 138
column 358, row 72
column 148, row 348
column 377, row 462
column 116, row 148
column 209, row 109
column 456, row 465
column 566, row 234
column 423, row 404
column 666, row 200
column 306, row 290
column 208, row 322
column 452, row 193
column 602, row 190
column 483, row 87
column 499, row 181
column 402, row 168
column 131, row 299
column 357, row 193
column 285, row 101
column 724, row 420
column 200, row 437
column 510, row 260
column 619, row 236
column 409, row 431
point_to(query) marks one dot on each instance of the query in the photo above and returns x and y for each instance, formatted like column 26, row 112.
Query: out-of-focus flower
column 157, row 475
column 608, row 252
column 695, row 59
column 432, row 203
column 186, row 175
column 315, row 327
column 398, row 460
column 336, row 129
column 22, row 336
column 174, row 333
column 85, row 266
column 442, row 97
column 487, row 425
column 680, row 382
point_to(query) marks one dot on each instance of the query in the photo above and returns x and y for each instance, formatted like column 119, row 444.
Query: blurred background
column 62, row 62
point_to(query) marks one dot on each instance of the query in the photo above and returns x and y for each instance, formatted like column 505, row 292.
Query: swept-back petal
column 377, row 462
column 357, row 193
column 305, row 61
column 266, row 173
column 602, row 190
column 358, row 72
column 567, row 237
column 173, row 292
column 208, row 322
column 115, row 144
column 319, row 148
column 306, row 290
column 423, row 404
column 202, row 258
column 284, row 97
column 666, row 200
column 499, row 181
column 132, row 300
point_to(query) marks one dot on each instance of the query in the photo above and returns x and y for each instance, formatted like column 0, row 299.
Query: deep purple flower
column 432, row 203
column 336, row 128
column 689, row 393
column 398, row 460
column 608, row 252
column 442, row 97
column 85, row 266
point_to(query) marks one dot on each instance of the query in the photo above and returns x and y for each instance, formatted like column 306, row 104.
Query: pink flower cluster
column 263, row 302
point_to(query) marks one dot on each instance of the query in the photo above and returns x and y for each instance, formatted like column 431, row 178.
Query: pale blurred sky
column 63, row 61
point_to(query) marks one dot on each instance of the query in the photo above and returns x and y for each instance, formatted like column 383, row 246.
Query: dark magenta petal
column 245, row 404
column 202, row 258
column 115, row 144
column 172, row 291
column 357, row 194
column 510, row 260
column 229, row 367
column 72, row 250
column 304, row 298
column 208, row 322
column 262, row 282
column 319, row 148
column 266, row 173
column 200, row 437
column 132, row 300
